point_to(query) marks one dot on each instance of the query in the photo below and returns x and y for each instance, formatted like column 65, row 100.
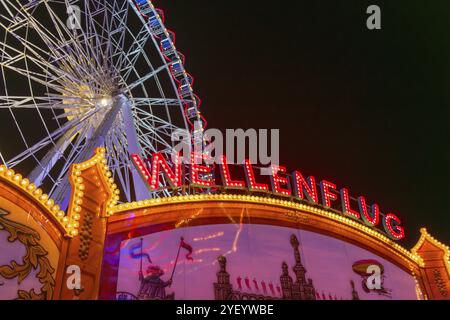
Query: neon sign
column 280, row 183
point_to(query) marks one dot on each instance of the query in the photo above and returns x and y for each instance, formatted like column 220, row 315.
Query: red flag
column 188, row 247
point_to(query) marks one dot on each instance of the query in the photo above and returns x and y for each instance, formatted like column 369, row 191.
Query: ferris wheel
column 77, row 75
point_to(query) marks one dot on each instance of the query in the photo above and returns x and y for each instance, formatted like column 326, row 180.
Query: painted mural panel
column 245, row 261
column 28, row 256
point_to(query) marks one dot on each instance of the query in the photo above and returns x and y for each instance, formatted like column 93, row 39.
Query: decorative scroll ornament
column 34, row 259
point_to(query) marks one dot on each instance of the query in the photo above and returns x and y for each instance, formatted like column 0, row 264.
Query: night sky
column 365, row 109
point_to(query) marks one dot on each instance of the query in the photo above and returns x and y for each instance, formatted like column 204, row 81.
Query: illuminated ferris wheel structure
column 111, row 77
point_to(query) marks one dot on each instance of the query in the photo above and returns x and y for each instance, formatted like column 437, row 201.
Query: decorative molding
column 425, row 236
column 34, row 259
column 77, row 182
column 94, row 191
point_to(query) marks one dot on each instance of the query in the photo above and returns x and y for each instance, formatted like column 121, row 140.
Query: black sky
column 369, row 110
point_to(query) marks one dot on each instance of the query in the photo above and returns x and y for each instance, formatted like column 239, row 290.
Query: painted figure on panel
column 152, row 286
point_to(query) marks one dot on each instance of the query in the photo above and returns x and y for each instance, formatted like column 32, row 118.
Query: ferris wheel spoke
column 8, row 10
column 134, row 51
column 68, row 46
column 154, row 142
column 131, row 69
column 58, row 46
column 51, row 158
column 128, row 59
column 148, row 115
column 64, row 50
column 113, row 22
column 145, row 102
column 33, row 75
column 127, row 64
column 71, row 158
column 15, row 102
column 157, row 127
column 65, row 36
column 46, row 79
column 39, row 78
column 149, row 142
column 16, row 13
column 152, row 122
column 50, row 106
column 32, row 150
column 117, row 25
column 26, row 22
column 28, row 49
column 69, row 114
column 146, row 77
column 90, row 35
column 162, row 131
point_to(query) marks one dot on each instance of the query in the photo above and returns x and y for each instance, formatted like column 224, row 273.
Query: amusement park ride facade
column 137, row 223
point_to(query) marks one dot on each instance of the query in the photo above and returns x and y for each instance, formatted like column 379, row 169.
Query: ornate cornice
column 425, row 236
column 67, row 223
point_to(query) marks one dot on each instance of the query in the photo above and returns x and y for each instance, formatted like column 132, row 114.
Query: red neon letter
column 277, row 181
column 347, row 210
column 200, row 175
column 392, row 225
column 303, row 187
column 252, row 184
column 373, row 219
column 226, row 177
column 142, row 169
column 159, row 162
column 327, row 196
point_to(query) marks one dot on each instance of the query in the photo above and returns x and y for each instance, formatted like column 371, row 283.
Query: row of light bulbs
column 36, row 193
column 392, row 246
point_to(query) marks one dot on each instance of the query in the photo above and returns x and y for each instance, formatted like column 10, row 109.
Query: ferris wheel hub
column 105, row 101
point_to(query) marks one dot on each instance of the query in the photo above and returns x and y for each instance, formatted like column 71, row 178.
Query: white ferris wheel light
column 105, row 101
